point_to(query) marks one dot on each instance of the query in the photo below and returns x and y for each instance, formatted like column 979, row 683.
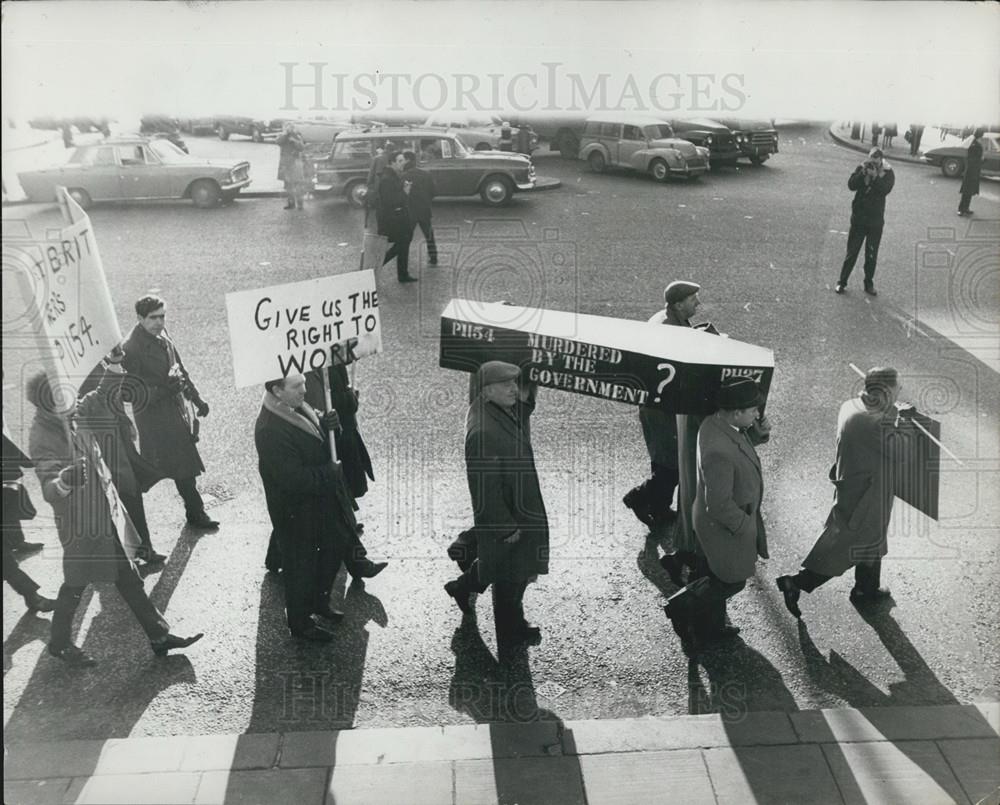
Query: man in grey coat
column 726, row 513
column 873, row 439
column 511, row 525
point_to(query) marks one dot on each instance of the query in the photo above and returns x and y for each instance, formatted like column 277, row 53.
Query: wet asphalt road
column 766, row 245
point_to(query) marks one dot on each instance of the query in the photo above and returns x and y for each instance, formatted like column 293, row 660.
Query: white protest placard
column 301, row 326
column 67, row 307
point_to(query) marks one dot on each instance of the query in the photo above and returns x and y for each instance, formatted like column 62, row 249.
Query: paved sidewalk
column 899, row 151
column 911, row 755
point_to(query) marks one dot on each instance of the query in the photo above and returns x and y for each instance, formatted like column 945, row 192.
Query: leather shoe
column 164, row 644
column 313, row 633
column 39, row 603
column 24, row 548
column 791, row 593
column 369, row 569
column 408, row 278
column 870, row 290
column 150, row 556
column 329, row 614
column 839, row 288
column 859, row 596
column 73, row 657
column 462, row 597
column 640, row 510
column 203, row 521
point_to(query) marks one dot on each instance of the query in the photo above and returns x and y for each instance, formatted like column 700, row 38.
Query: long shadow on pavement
column 503, row 696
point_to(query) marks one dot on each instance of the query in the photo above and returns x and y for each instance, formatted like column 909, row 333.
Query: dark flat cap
column 738, row 393
column 496, row 372
column 679, row 290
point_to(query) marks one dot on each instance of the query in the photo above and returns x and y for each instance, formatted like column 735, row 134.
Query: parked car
column 951, row 159
column 757, row 140
column 164, row 127
column 482, row 133
column 135, row 168
column 457, row 171
column 710, row 134
column 197, row 125
column 257, row 130
column 645, row 144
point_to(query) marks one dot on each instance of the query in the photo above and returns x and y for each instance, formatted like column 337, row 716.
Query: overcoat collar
column 738, row 437
column 303, row 418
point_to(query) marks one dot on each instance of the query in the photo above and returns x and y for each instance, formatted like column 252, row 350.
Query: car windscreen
column 167, row 151
column 657, row 131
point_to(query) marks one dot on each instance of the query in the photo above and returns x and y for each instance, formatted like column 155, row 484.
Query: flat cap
column 679, row 290
column 739, row 393
column 496, row 372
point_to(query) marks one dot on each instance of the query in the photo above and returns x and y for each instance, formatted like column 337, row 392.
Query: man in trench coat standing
column 873, row 438
column 726, row 513
column 973, row 166
column 163, row 398
column 97, row 536
column 511, row 525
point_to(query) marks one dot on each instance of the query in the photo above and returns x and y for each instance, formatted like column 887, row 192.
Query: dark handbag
column 17, row 501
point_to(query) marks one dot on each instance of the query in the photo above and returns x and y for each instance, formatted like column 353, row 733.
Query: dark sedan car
column 711, row 134
column 951, row 159
column 756, row 139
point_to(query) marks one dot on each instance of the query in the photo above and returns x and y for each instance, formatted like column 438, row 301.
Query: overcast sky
column 929, row 61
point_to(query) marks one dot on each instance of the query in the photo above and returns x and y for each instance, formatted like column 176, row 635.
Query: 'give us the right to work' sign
column 300, row 326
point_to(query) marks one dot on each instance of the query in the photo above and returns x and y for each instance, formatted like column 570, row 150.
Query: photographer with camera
column 871, row 182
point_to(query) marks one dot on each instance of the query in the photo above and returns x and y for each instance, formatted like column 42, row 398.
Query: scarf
column 303, row 418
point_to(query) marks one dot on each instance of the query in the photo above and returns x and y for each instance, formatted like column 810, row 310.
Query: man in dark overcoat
column 873, row 440
column 419, row 203
column 871, row 182
column 394, row 216
column 97, row 536
column 511, row 525
column 311, row 513
column 291, row 170
column 726, row 513
column 970, row 180
column 166, row 406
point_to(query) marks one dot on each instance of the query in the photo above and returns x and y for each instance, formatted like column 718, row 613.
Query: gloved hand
column 175, row 383
column 75, row 474
column 331, row 420
column 202, row 408
column 907, row 411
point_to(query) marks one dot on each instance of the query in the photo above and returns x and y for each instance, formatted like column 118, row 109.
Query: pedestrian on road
column 166, row 405
column 873, row 442
column 17, row 506
column 96, row 533
column 727, row 518
column 511, row 526
column 888, row 135
column 421, row 196
column 101, row 413
column 871, row 182
column 375, row 171
column 970, row 181
column 301, row 482
column 291, row 169
column 916, row 135
column 394, row 216
column 650, row 501
column 876, row 131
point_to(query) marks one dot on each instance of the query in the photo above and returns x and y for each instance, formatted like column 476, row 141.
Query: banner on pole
column 67, row 312
column 677, row 369
column 301, row 326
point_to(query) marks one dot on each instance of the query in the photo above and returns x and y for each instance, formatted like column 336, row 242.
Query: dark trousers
column 964, row 201
column 355, row 558
column 137, row 514
column 867, row 577
column 20, row 582
column 188, row 489
column 508, row 603
column 308, row 570
column 869, row 234
column 400, row 249
column 428, row 230
column 657, row 492
column 703, row 601
column 131, row 590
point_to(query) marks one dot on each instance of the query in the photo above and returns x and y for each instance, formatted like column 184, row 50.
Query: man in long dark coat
column 311, row 513
column 970, row 181
column 420, row 203
column 394, row 216
column 871, row 182
column 163, row 397
column 511, row 525
column 872, row 440
column 97, row 536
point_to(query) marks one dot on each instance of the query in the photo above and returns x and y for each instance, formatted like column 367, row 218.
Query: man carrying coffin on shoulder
column 311, row 522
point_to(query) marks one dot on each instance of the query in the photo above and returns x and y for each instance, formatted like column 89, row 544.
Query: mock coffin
column 677, row 369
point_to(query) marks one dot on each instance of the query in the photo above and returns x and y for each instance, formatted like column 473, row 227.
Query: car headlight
column 708, row 140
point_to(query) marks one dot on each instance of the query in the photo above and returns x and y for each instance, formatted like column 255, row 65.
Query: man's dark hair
column 147, row 305
column 411, row 159
column 271, row 385
column 390, row 157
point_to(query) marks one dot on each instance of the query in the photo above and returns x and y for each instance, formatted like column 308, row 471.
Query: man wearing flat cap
column 726, row 513
column 511, row 526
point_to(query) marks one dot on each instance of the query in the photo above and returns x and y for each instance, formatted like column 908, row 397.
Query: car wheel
column 597, row 162
column 205, row 194
column 568, row 145
column 758, row 160
column 222, row 132
column 81, row 197
column 483, row 147
column 953, row 167
column 356, row 194
column 496, row 190
column 658, row 170
column 256, row 135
